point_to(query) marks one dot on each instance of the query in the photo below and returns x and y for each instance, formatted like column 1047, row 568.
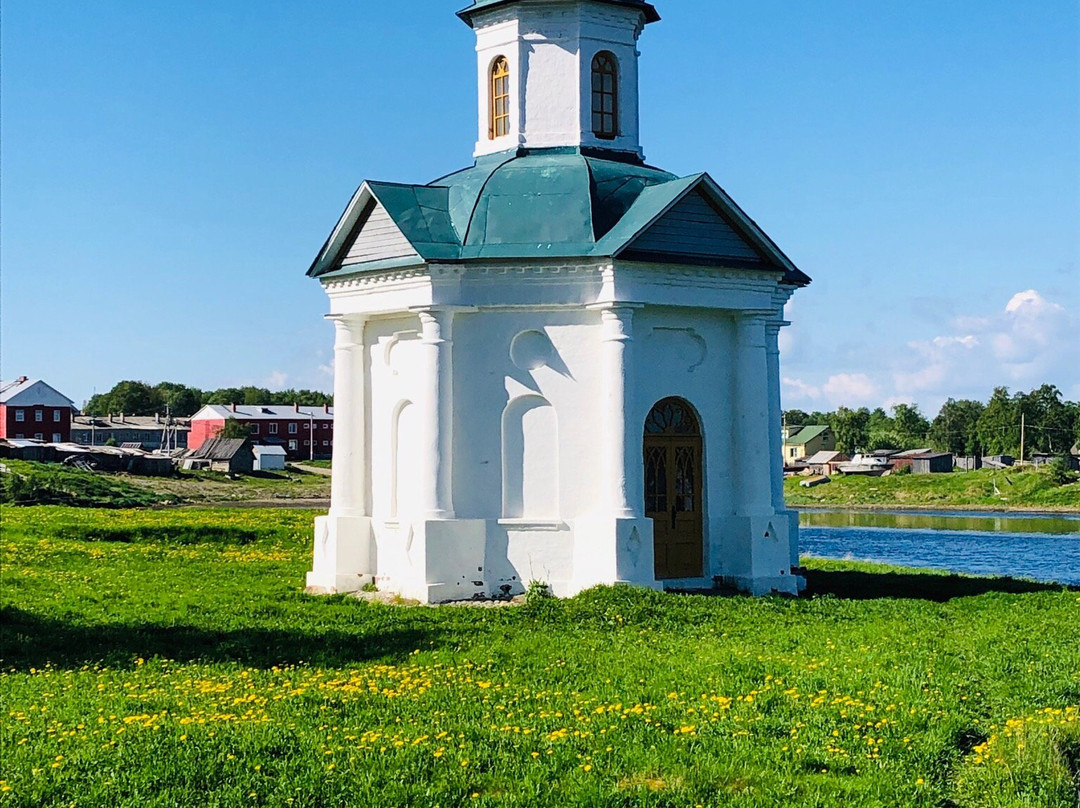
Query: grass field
column 169, row 658
column 53, row 484
column 1020, row 490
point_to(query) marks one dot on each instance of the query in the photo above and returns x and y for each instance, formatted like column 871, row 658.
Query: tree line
column 964, row 427
column 140, row 398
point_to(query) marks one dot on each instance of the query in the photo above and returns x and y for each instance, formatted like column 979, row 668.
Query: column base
column 344, row 554
column 611, row 550
column 433, row 561
column 755, row 553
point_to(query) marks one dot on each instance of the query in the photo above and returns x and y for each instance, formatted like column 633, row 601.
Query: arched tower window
column 500, row 99
column 605, row 96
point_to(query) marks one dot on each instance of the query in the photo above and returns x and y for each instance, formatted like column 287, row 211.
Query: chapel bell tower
column 558, row 73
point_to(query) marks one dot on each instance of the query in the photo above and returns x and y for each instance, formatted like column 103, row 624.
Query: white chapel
column 561, row 363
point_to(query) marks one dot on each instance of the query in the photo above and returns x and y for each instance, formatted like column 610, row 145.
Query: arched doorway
column 673, row 478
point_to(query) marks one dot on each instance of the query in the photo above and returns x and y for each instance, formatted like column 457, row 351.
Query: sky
column 169, row 171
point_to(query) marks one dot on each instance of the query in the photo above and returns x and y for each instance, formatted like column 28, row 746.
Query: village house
column 543, row 362
column 32, row 409
column 149, row 432
column 227, row 455
column 801, row 442
column 305, row 433
column 825, row 462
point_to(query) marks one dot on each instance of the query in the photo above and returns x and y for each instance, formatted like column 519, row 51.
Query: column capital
column 349, row 328
column 617, row 320
column 772, row 327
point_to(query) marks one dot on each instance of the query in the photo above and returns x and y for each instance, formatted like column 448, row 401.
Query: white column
column 752, row 422
column 348, row 484
column 776, row 442
column 624, row 499
column 437, row 402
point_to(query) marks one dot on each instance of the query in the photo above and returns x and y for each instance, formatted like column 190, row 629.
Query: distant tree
column 999, row 424
column 796, row 418
column 110, row 441
column 881, row 431
column 910, row 426
column 180, row 400
column 956, row 427
column 253, row 396
column 234, row 429
column 226, row 395
column 305, row 398
column 129, row 397
column 1049, row 420
column 851, row 428
column 97, row 404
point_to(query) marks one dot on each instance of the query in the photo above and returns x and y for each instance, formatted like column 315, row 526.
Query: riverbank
column 1028, row 490
column 882, row 686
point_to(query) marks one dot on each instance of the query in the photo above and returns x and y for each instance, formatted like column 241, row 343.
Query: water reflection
column 939, row 520
column 1035, row 546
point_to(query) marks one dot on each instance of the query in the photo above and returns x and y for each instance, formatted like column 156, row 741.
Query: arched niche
column 405, row 456
column 530, row 459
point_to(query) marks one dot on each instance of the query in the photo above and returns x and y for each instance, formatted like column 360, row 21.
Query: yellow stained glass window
column 500, row 99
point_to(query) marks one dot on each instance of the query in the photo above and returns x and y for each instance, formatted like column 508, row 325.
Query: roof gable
column 376, row 237
column 693, row 229
column 806, row 434
column 693, row 220
column 32, row 392
column 389, row 225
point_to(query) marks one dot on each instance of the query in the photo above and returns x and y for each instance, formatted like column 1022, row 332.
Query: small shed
column 231, row 455
column 969, row 463
column 826, row 463
column 999, row 461
column 1040, row 459
column 269, row 458
column 932, row 463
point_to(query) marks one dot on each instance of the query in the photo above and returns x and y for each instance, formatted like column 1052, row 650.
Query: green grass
column 165, row 669
column 28, row 483
column 1029, row 489
column 53, row 484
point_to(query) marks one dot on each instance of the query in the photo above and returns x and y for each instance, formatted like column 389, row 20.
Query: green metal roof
column 650, row 12
column 537, row 204
column 806, row 434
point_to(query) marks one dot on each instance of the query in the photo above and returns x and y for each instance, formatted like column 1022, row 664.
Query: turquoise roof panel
column 537, row 204
column 648, row 9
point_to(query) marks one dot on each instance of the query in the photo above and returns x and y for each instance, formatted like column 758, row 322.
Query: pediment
column 695, row 230
column 376, row 237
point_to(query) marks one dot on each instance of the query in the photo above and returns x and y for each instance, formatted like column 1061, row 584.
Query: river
column 1041, row 547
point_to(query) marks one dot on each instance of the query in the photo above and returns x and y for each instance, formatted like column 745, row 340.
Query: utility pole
column 1023, row 425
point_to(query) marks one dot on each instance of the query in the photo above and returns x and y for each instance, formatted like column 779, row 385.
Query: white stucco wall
column 529, row 424
column 550, row 49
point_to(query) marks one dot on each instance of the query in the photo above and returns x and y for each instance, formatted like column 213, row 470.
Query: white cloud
column 800, row 390
column 1031, row 340
column 850, row 388
column 277, row 379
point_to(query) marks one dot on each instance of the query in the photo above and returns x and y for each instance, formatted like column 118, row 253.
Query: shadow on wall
column 28, row 640
column 854, row 585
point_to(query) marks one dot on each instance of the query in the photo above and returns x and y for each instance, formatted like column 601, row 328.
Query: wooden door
column 673, row 466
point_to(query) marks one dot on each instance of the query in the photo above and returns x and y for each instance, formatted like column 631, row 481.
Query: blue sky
column 170, row 170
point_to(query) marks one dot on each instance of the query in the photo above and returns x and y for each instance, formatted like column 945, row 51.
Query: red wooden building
column 304, row 432
column 30, row 408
